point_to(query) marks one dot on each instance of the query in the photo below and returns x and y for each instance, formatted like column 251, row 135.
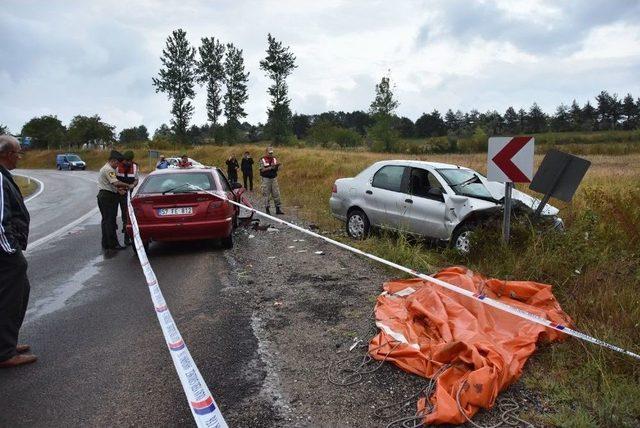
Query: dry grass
column 27, row 187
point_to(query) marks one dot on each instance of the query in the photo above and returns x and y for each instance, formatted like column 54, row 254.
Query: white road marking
column 40, row 189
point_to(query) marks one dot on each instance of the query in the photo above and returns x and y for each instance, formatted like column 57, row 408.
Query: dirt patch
column 310, row 309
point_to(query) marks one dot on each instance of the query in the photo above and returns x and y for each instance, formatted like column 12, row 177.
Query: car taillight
column 335, row 188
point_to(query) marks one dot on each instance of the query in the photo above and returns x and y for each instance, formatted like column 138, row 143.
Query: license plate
column 175, row 211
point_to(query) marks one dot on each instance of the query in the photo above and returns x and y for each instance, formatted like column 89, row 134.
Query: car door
column 426, row 215
column 386, row 197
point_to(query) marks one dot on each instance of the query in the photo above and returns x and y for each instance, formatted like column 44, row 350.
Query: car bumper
column 338, row 209
column 210, row 229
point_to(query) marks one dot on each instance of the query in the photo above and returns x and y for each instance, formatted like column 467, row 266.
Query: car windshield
column 465, row 182
column 73, row 158
column 178, row 183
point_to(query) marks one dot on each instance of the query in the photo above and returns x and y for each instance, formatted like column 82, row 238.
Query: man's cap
column 115, row 155
column 128, row 155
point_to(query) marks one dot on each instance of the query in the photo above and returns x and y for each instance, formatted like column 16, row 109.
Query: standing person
column 184, row 162
column 14, row 283
column 109, row 187
column 232, row 168
column 127, row 172
column 246, row 166
column 162, row 163
column 269, row 172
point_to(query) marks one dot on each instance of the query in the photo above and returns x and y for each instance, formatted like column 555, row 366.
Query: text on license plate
column 175, row 211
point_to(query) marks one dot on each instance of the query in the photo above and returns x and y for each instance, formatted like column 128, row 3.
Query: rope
column 355, row 374
column 506, row 405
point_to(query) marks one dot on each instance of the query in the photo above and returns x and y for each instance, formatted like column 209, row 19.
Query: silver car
column 431, row 199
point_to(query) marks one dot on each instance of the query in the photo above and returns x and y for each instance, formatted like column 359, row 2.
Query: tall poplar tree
column 176, row 79
column 278, row 64
column 210, row 71
column 236, row 96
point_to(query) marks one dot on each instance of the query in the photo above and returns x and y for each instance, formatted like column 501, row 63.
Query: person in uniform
column 127, row 172
column 232, row 169
column 109, row 188
column 268, row 173
column 162, row 163
column 184, row 162
column 246, row 165
column 14, row 283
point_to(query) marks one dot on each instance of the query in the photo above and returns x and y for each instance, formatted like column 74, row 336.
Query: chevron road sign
column 510, row 160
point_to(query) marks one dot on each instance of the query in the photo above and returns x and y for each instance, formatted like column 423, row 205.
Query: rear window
column 389, row 178
column 178, row 183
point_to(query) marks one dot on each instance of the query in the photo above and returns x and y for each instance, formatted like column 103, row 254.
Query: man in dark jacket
column 246, row 165
column 232, row 169
column 14, row 284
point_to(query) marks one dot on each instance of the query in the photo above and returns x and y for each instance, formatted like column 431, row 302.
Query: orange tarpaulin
column 424, row 327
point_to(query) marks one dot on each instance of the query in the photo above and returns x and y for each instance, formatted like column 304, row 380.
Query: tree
column 300, row 124
column 575, row 116
column 384, row 103
column 537, row 120
column 451, row 121
column 176, row 79
column 404, row 126
column 630, row 112
column 359, row 121
column 589, row 121
column 210, row 70
column 45, row 132
column 236, row 80
column 511, row 121
column 430, row 125
column 131, row 135
column 163, row 132
column 3, row 129
column 492, row 122
column 90, row 130
column 278, row 64
column 561, row 121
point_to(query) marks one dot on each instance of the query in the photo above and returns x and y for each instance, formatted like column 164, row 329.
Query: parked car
column 69, row 161
column 430, row 199
column 169, row 206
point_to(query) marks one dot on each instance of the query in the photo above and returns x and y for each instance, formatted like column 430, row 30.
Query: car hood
column 497, row 191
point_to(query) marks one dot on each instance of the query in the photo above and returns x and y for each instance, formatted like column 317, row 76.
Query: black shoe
column 127, row 240
column 279, row 211
column 267, row 211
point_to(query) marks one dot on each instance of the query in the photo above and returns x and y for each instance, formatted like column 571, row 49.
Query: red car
column 169, row 207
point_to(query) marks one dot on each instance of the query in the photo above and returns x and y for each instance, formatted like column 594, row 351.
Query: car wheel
column 461, row 239
column 84, row 167
column 358, row 225
column 227, row 243
column 59, row 167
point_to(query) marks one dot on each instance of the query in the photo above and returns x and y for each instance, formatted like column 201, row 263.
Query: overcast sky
column 98, row 57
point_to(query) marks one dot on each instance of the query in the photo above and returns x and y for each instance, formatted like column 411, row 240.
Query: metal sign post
column 510, row 160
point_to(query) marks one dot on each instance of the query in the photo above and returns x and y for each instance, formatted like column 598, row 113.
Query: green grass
column 27, row 187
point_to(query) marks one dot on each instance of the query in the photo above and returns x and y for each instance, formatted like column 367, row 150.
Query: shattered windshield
column 467, row 183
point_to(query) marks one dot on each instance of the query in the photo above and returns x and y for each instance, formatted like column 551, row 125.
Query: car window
column 420, row 183
column 179, row 181
column 389, row 177
column 466, row 182
column 73, row 158
column 223, row 182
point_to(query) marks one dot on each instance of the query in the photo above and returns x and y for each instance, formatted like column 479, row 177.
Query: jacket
column 14, row 217
column 266, row 162
column 246, row 165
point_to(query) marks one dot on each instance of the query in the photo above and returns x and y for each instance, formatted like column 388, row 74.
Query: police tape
column 203, row 407
column 479, row 297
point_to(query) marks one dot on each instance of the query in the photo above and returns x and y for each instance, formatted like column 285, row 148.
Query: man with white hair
column 14, row 284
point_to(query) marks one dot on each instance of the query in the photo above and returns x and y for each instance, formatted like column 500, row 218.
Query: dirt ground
column 307, row 310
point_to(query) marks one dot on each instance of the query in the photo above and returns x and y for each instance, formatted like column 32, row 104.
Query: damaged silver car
column 430, row 199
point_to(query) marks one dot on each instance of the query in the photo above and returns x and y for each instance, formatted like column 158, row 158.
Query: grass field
column 594, row 267
column 27, row 187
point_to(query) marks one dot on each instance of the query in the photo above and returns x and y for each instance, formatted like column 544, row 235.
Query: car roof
column 183, row 170
column 418, row 164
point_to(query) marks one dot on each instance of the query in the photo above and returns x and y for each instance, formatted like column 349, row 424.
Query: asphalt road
column 102, row 357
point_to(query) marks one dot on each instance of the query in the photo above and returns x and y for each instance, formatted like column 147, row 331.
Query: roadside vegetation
column 27, row 187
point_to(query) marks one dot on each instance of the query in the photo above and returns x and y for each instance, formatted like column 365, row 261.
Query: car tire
column 461, row 239
column 59, row 167
column 358, row 226
column 227, row 242
column 84, row 167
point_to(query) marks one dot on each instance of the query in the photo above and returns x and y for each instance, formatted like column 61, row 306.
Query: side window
column 389, row 177
column 424, row 184
column 223, row 182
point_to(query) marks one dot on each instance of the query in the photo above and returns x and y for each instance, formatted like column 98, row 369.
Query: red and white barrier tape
column 203, row 407
column 480, row 297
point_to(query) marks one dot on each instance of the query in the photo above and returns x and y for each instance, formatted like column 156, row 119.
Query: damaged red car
column 180, row 205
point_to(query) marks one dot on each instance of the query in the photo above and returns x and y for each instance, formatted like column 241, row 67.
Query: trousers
column 247, row 177
column 108, row 205
column 14, row 297
column 270, row 189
